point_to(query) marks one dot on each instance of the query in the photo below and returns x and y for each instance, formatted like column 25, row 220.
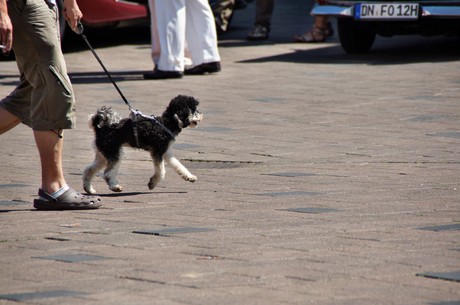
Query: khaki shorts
column 44, row 98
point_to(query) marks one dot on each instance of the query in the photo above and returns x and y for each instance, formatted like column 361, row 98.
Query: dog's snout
column 196, row 118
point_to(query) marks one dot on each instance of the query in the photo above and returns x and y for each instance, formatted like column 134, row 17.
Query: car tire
column 353, row 38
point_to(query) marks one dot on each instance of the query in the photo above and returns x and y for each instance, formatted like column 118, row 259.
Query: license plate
column 377, row 11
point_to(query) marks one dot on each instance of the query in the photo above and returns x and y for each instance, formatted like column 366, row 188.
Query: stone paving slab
column 323, row 178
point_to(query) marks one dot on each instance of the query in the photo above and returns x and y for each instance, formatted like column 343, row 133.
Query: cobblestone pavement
column 323, row 178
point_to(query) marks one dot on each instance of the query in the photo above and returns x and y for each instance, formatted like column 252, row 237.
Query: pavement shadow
column 101, row 77
column 124, row 194
column 16, row 210
column 130, row 194
column 9, row 79
column 402, row 50
column 84, row 77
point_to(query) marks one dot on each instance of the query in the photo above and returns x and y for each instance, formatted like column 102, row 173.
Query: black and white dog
column 155, row 135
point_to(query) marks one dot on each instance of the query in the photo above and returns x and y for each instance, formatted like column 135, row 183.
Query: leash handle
column 79, row 31
column 79, row 28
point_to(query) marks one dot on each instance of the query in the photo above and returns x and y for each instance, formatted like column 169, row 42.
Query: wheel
column 353, row 38
column 62, row 22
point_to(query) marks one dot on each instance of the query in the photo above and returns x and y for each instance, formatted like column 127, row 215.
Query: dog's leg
column 179, row 168
column 91, row 170
column 159, row 174
column 111, row 171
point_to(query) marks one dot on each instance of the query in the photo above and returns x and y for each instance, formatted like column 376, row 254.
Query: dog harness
column 135, row 114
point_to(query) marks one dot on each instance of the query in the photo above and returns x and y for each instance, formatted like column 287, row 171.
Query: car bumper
column 100, row 12
column 348, row 10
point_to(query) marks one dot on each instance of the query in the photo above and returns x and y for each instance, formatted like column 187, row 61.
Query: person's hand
column 72, row 13
column 6, row 28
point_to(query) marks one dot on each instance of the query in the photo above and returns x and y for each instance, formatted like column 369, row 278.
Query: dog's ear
column 179, row 121
column 188, row 100
column 192, row 102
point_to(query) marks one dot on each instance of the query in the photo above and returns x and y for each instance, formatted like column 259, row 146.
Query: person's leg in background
column 155, row 39
column 201, row 38
column 262, row 24
column 170, row 18
column 321, row 29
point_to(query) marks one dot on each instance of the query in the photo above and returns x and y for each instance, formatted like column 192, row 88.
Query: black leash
column 79, row 31
column 134, row 113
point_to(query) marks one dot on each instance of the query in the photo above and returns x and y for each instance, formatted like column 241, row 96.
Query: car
column 97, row 13
column 359, row 21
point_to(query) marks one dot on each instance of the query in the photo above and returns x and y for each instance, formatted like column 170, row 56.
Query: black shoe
column 159, row 74
column 210, row 67
column 259, row 32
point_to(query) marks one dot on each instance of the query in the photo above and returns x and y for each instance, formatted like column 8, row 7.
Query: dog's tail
column 104, row 116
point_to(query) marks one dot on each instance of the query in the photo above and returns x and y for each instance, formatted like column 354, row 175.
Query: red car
column 108, row 12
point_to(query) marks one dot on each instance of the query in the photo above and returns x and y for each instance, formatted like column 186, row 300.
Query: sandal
column 316, row 34
column 69, row 200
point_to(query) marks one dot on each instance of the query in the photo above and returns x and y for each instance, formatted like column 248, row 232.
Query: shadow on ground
column 386, row 51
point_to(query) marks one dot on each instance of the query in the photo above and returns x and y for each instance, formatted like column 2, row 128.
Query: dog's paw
column 89, row 189
column 152, row 183
column 190, row 178
column 116, row 188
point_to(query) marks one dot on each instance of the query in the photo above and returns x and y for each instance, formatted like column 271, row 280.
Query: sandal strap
column 72, row 196
column 316, row 30
column 46, row 196
column 316, row 34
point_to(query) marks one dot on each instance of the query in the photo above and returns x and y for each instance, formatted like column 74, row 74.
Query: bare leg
column 7, row 120
column 321, row 22
column 50, row 149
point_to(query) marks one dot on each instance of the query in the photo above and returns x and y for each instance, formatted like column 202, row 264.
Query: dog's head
column 184, row 109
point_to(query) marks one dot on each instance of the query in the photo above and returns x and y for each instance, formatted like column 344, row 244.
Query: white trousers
column 154, row 38
column 179, row 21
